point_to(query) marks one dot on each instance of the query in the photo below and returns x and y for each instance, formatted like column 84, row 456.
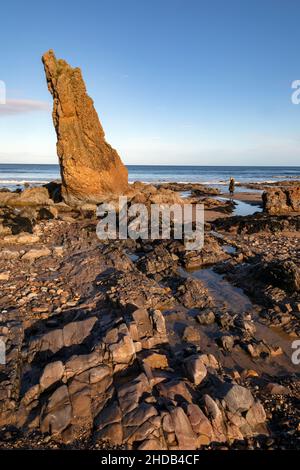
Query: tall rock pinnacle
column 90, row 168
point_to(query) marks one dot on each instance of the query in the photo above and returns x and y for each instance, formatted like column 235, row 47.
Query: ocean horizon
column 14, row 175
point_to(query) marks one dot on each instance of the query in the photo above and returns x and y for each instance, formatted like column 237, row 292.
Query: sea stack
column 91, row 169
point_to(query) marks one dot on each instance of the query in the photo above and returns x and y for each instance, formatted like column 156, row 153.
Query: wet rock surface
column 132, row 344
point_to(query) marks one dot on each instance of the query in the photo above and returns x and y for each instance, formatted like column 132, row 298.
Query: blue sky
column 173, row 81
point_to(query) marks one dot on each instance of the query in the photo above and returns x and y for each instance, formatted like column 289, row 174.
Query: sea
column 14, row 176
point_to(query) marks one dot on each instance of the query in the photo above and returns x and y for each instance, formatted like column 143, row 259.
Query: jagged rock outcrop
column 282, row 200
column 90, row 168
column 29, row 197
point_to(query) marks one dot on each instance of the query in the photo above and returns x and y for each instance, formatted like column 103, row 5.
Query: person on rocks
column 231, row 187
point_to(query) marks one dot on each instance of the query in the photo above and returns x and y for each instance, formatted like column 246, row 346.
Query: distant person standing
column 231, row 187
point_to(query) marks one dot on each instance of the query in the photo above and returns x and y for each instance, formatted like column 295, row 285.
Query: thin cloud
column 14, row 107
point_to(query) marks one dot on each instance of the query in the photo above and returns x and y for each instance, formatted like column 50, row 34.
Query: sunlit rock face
column 90, row 168
column 282, row 200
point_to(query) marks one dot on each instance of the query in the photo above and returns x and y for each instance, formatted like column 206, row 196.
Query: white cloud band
column 13, row 107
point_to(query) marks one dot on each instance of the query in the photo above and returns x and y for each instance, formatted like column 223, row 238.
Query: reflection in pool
column 244, row 208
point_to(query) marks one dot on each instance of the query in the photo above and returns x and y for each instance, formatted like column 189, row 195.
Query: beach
column 149, row 233
column 121, row 337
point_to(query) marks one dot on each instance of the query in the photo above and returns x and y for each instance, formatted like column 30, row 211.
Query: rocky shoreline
column 139, row 344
